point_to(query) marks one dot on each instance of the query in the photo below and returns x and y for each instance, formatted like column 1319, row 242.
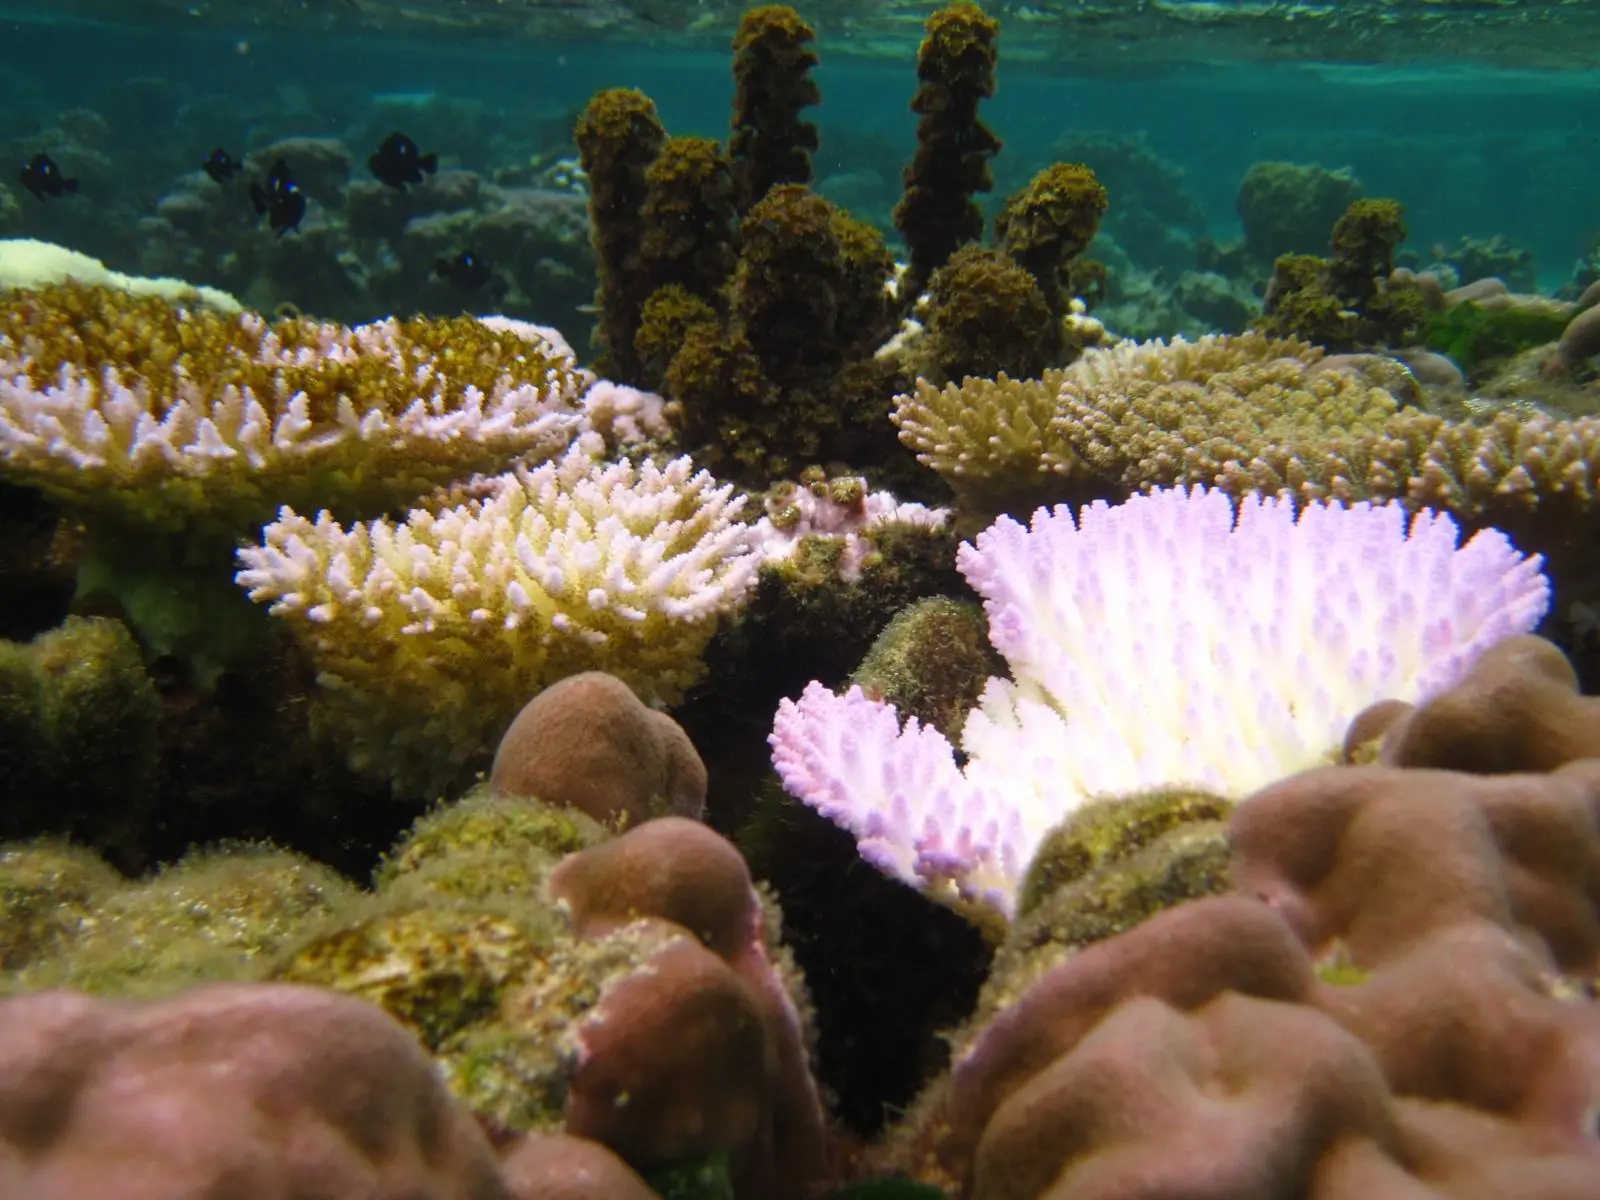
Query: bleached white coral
column 1158, row 642
column 430, row 634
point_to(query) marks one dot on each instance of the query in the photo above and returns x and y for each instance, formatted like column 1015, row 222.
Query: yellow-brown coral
column 165, row 415
column 431, row 633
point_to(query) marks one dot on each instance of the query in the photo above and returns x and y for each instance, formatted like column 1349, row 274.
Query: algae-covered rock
column 485, row 847
column 437, row 968
column 47, row 891
column 78, row 718
column 214, row 916
column 1111, row 865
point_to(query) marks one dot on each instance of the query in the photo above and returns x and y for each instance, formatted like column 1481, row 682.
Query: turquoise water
column 1479, row 129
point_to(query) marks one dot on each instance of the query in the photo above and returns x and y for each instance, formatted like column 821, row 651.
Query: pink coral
column 703, row 1049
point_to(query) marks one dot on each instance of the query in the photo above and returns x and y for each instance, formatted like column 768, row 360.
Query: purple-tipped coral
column 1163, row 641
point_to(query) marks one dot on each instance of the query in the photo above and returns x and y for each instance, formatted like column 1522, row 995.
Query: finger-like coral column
column 430, row 634
column 1168, row 640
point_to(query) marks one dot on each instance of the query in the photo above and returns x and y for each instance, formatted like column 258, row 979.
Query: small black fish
column 221, row 165
column 466, row 270
column 399, row 162
column 281, row 199
column 43, row 178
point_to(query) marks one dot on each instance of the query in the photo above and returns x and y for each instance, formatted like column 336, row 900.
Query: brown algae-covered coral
column 770, row 143
column 212, row 916
column 955, row 69
column 78, row 718
column 763, row 391
column 986, row 314
column 689, row 221
column 1285, row 207
column 1048, row 224
column 618, row 136
column 1350, row 299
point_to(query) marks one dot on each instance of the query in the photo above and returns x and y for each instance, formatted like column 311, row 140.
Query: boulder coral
column 587, row 742
column 1392, row 1003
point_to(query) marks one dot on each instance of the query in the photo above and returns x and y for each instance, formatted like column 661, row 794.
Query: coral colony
column 434, row 766
column 1160, row 642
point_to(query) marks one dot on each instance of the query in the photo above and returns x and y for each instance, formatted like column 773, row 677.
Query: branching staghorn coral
column 170, row 418
column 1161, row 642
column 430, row 634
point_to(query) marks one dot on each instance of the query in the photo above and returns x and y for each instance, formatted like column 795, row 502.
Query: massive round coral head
column 163, row 414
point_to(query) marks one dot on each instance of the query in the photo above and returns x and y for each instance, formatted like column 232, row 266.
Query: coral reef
column 1351, row 299
column 1252, row 413
column 429, row 634
column 1079, row 612
column 770, row 143
column 787, row 378
column 955, row 69
column 545, row 968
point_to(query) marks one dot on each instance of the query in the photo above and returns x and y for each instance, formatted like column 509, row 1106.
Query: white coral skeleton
column 1164, row 641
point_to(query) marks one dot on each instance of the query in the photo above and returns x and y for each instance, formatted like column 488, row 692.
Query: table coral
column 145, row 412
column 1250, row 413
column 429, row 634
column 1162, row 642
